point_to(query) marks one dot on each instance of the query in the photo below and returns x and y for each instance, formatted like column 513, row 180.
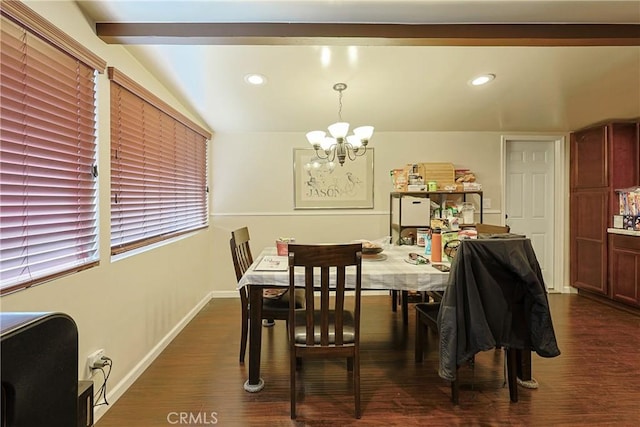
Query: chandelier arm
column 322, row 154
column 360, row 151
column 331, row 153
column 351, row 151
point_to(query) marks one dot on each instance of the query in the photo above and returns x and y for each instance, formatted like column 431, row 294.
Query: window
column 48, row 223
column 158, row 168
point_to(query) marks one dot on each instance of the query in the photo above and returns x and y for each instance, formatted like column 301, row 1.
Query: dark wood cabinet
column 624, row 268
column 589, row 240
column 589, row 158
column 603, row 158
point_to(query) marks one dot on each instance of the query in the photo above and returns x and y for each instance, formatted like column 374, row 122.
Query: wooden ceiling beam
column 371, row 34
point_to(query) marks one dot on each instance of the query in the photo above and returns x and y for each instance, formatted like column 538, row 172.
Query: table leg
column 405, row 307
column 254, row 383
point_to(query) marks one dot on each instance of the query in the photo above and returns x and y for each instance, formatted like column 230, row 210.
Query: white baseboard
column 225, row 294
column 118, row 390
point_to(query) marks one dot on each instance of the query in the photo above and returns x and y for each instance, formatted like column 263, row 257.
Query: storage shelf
column 396, row 224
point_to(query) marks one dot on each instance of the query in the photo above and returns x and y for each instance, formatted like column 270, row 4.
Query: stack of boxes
column 418, row 176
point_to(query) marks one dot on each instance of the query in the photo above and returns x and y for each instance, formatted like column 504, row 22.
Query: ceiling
column 406, row 63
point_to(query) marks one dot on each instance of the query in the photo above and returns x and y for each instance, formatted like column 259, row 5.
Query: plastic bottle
column 427, row 244
column 436, row 246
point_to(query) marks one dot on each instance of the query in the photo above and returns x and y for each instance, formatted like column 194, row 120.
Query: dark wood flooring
column 596, row 380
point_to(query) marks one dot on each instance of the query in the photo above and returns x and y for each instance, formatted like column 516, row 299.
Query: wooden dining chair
column 330, row 330
column 427, row 318
column 274, row 307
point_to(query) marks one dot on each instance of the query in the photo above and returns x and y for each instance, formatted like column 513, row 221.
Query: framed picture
column 320, row 184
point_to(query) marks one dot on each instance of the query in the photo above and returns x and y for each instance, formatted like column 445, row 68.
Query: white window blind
column 158, row 169
column 48, row 199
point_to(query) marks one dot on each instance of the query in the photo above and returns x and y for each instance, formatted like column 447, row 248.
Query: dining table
column 392, row 269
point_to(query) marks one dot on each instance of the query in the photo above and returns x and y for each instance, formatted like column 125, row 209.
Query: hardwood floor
column 595, row 381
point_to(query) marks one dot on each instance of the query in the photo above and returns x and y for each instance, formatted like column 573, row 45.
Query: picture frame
column 318, row 184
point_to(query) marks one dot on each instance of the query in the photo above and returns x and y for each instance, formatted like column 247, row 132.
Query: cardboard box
column 442, row 173
column 415, row 211
column 416, row 187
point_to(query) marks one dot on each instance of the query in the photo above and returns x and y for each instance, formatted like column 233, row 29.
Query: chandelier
column 339, row 144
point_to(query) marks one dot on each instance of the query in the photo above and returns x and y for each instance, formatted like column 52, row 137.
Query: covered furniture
column 275, row 306
column 496, row 298
column 330, row 329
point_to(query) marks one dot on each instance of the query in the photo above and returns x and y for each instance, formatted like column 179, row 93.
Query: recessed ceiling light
column 483, row 79
column 255, row 79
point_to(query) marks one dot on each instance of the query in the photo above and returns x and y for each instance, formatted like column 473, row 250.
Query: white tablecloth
column 391, row 272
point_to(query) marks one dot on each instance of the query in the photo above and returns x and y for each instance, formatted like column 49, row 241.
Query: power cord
column 102, row 391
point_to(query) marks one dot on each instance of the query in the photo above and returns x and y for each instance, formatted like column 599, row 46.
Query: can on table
column 423, row 235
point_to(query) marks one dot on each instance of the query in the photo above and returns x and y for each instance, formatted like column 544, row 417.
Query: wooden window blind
column 48, row 220
column 158, row 168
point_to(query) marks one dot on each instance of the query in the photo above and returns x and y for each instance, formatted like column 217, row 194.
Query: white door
column 529, row 197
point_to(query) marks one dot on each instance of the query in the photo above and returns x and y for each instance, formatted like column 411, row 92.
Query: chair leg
column 292, row 382
column 350, row 364
column 356, row 383
column 454, row 392
column 394, row 301
column 405, row 307
column 420, row 332
column 512, row 374
column 243, row 337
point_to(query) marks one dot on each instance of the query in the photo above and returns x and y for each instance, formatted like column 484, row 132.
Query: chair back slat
column 339, row 320
column 324, row 306
column 492, row 229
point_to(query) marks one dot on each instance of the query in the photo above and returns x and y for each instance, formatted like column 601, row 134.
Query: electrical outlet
column 95, row 357
column 487, row 203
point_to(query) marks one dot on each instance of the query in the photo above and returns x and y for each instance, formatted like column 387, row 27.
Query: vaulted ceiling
column 559, row 65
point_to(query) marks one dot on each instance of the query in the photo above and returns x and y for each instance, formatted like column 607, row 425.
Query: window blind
column 48, row 221
column 158, row 169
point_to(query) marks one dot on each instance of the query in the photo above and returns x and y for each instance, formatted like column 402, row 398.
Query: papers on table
column 273, row 263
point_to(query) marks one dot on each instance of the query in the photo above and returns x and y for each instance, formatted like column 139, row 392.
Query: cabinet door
column 588, row 240
column 588, row 158
column 624, row 268
column 623, row 149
